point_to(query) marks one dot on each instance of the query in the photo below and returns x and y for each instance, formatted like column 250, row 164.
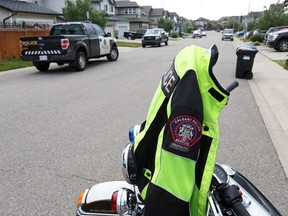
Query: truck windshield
column 229, row 31
column 66, row 30
column 152, row 31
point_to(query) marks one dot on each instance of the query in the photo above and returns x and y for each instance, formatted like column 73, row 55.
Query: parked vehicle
column 230, row 193
column 135, row 35
column 72, row 43
column 272, row 29
column 228, row 34
column 155, row 36
column 204, row 34
column 248, row 34
column 240, row 33
column 197, row 34
column 278, row 40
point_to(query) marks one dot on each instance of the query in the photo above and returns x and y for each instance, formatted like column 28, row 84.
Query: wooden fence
column 10, row 38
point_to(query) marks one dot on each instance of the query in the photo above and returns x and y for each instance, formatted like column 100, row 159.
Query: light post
column 247, row 17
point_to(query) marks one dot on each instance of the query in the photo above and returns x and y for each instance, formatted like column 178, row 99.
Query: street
column 63, row 131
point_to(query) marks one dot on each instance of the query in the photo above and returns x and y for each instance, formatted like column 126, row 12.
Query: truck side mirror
column 108, row 34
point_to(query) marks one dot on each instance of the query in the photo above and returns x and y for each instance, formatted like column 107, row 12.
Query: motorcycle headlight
column 129, row 168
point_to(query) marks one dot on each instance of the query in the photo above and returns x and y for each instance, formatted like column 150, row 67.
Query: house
column 285, row 6
column 133, row 13
column 155, row 14
column 201, row 23
column 116, row 25
column 175, row 21
column 26, row 15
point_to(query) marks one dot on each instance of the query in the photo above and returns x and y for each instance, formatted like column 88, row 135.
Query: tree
column 275, row 16
column 232, row 23
column 166, row 24
column 188, row 27
column 78, row 12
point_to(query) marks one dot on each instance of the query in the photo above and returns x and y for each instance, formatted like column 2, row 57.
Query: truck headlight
column 274, row 36
column 157, row 37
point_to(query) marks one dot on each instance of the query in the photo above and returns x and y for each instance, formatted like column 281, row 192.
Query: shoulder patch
column 185, row 130
column 169, row 80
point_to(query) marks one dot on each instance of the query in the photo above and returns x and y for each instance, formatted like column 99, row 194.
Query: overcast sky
column 209, row 9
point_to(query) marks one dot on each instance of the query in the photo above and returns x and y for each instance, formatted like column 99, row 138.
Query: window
column 90, row 30
column 105, row 7
column 111, row 8
column 99, row 31
column 66, row 30
column 130, row 10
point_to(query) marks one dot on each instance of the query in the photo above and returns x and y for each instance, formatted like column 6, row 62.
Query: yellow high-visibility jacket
column 176, row 151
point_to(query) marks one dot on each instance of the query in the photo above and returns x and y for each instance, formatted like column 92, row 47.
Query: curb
column 270, row 90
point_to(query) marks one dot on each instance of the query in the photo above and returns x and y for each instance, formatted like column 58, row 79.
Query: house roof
column 255, row 14
column 173, row 14
column 117, row 18
column 111, row 2
column 146, row 9
column 143, row 20
column 157, row 12
column 125, row 4
column 26, row 7
column 201, row 19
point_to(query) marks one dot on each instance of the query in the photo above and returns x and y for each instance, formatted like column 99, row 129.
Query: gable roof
column 146, row 9
column 125, row 4
column 157, row 12
column 26, row 7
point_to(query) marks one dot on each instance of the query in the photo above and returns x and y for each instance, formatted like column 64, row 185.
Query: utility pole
column 247, row 17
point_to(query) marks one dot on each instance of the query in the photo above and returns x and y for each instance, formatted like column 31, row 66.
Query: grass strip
column 128, row 44
column 13, row 64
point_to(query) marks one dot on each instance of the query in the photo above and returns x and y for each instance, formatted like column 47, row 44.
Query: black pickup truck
column 134, row 35
column 278, row 40
column 73, row 43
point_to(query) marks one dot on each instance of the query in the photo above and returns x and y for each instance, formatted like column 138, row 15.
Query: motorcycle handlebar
column 232, row 198
column 239, row 209
column 232, row 86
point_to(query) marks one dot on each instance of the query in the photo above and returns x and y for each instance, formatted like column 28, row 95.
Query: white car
column 228, row 34
column 197, row 33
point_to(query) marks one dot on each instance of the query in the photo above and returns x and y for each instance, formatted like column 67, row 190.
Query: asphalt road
column 63, row 131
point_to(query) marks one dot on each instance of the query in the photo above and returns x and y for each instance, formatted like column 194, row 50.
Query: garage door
column 111, row 30
column 122, row 29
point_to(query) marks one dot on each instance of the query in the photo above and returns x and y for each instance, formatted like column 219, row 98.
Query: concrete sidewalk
column 270, row 89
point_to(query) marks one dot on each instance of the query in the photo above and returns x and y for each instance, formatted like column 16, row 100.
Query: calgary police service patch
column 185, row 130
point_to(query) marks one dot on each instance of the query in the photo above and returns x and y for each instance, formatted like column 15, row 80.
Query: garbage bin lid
column 246, row 48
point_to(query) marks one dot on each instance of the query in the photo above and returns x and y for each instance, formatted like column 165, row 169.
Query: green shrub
column 256, row 43
column 257, row 37
column 174, row 35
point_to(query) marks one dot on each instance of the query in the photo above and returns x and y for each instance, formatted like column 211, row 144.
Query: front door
column 103, row 39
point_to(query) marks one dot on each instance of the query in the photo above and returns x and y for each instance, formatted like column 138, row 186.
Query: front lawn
column 13, row 64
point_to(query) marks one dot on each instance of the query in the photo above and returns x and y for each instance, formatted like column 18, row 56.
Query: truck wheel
column 160, row 43
column 143, row 45
column 130, row 38
column 114, row 54
column 282, row 45
column 42, row 66
column 81, row 61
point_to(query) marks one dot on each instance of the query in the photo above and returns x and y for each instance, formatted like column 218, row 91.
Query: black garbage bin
column 245, row 60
